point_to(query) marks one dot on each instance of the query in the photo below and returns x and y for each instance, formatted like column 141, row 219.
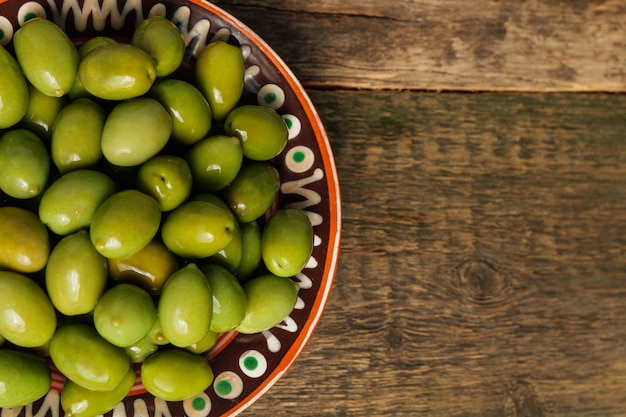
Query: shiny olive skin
column 215, row 162
column 219, row 74
column 24, row 377
column 230, row 256
column 13, row 90
column 250, row 250
column 205, row 344
column 198, row 229
column 229, row 299
column 287, row 242
column 141, row 350
column 188, row 108
column 163, row 41
column 185, row 306
column 78, row 401
column 117, row 71
column 167, row 178
column 27, row 317
column 24, row 164
column 125, row 223
column 149, row 268
column 42, row 112
column 175, row 375
column 93, row 43
column 124, row 314
column 70, row 202
column 24, row 241
column 270, row 299
column 262, row 131
column 253, row 190
column 155, row 335
column 76, row 274
column 47, row 56
column 85, row 357
column 76, row 135
column 135, row 131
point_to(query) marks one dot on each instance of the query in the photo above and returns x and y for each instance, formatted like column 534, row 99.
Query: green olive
column 262, row 131
column 185, row 306
column 76, row 274
column 198, row 229
column 124, row 314
column 70, row 202
column 229, row 299
column 85, row 357
column 24, row 241
column 78, row 401
column 230, row 256
column 141, row 350
column 163, row 41
column 188, row 108
column 42, row 112
column 205, row 344
column 47, row 56
column 250, row 250
column 24, row 377
column 287, row 242
column 93, row 43
column 149, row 268
column 125, row 223
column 13, row 90
column 135, row 131
column 270, row 300
column 24, row 164
column 167, row 178
column 215, row 162
column 155, row 335
column 76, row 134
column 117, row 71
column 27, row 317
column 219, row 74
column 253, row 191
column 175, row 375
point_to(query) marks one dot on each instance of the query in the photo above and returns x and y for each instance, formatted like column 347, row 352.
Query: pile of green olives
column 138, row 218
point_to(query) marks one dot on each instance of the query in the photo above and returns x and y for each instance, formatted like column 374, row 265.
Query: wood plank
column 519, row 45
column 482, row 269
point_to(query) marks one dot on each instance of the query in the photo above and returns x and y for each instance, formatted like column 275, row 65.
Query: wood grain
column 518, row 45
column 483, row 266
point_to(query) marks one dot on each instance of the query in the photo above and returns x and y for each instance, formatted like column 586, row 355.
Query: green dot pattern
column 251, row 363
column 198, row 404
column 223, row 387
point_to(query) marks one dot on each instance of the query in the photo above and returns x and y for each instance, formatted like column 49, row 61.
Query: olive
column 253, row 190
column 76, row 134
column 78, row 401
column 124, row 314
column 13, row 90
column 24, row 241
column 175, row 375
column 250, row 250
column 219, row 74
column 24, row 377
column 85, row 357
column 163, row 41
column 215, row 162
column 167, row 178
column 141, row 350
column 262, row 131
column 47, row 56
column 185, row 306
column 229, row 298
column 270, row 300
column 93, row 43
column 287, row 242
column 188, row 108
column 41, row 113
column 117, row 71
column 27, row 317
column 155, row 335
column 125, row 223
column 70, row 202
column 205, row 344
column 135, row 131
column 24, row 164
column 76, row 274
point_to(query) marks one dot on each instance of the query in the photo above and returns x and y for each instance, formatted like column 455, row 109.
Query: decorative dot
column 272, row 96
column 253, row 363
column 293, row 125
column 6, row 30
column 198, row 403
column 299, row 159
column 29, row 11
column 228, row 385
column 198, row 406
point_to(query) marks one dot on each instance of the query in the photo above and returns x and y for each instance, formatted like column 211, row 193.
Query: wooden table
column 481, row 151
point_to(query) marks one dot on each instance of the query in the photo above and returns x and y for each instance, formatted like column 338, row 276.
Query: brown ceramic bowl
column 245, row 366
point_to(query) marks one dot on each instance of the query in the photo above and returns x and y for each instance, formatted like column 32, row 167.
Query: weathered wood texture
column 483, row 267
column 518, row 45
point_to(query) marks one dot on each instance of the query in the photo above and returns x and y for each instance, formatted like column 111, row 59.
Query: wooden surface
column 483, row 264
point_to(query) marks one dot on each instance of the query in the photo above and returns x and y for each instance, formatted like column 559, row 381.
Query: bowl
column 245, row 366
